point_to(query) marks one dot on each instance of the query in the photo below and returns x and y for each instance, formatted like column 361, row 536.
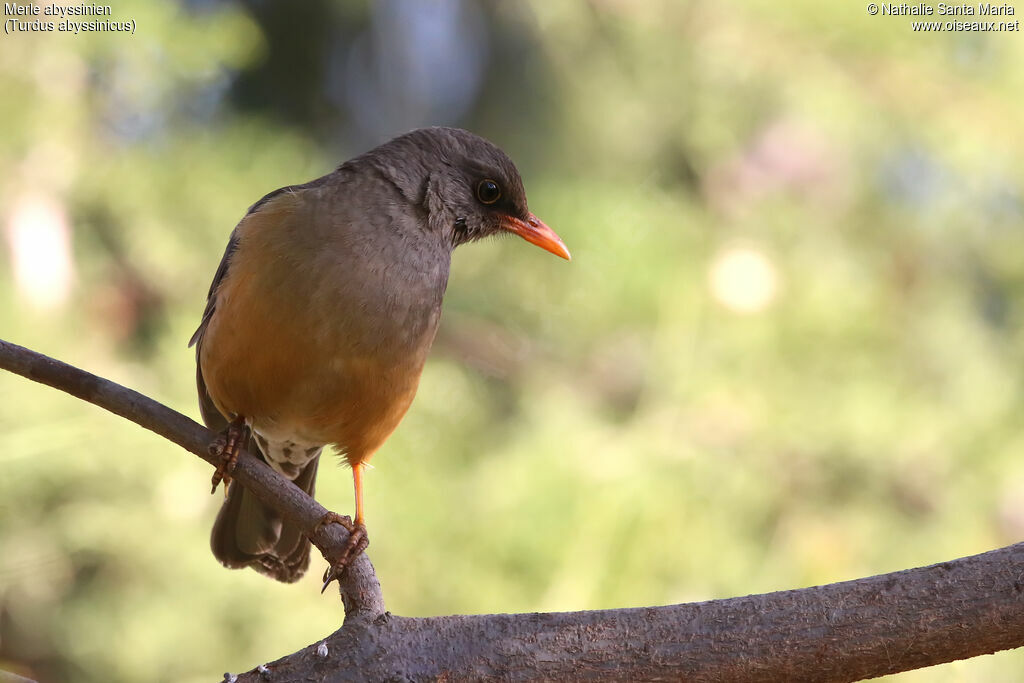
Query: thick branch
column 841, row 632
column 360, row 589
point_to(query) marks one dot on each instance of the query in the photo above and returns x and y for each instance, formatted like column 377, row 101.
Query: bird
column 322, row 312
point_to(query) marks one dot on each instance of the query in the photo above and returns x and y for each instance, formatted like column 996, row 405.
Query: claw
column 227, row 446
column 329, row 576
column 356, row 544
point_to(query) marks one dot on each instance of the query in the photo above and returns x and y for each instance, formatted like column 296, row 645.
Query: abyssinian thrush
column 323, row 309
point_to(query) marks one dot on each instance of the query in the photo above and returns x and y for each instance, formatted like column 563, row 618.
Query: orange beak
column 534, row 231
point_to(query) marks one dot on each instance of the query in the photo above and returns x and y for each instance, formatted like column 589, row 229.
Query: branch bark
column 840, row 632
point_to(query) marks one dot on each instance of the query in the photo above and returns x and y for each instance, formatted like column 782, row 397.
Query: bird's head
column 471, row 189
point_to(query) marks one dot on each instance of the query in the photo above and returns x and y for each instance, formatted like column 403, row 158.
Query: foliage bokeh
column 788, row 350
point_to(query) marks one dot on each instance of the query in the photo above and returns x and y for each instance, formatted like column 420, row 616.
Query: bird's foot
column 356, row 544
column 227, row 446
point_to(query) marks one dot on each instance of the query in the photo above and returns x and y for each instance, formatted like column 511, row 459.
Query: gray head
column 465, row 185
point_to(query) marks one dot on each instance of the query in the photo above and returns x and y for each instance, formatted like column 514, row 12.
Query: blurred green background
column 788, row 350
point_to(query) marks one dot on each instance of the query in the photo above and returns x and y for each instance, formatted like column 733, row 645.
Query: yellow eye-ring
column 488, row 192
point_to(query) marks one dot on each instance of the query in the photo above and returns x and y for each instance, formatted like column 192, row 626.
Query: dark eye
column 488, row 192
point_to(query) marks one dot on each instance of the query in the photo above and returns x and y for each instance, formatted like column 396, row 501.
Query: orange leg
column 357, row 538
column 357, row 480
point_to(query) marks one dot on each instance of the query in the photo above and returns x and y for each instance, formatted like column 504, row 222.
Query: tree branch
column 840, row 632
column 360, row 590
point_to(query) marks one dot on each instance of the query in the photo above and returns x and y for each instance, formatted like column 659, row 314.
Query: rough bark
column 840, row 632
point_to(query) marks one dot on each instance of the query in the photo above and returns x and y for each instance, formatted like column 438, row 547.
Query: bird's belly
column 350, row 402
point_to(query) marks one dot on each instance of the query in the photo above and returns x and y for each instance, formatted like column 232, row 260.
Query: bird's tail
column 247, row 533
